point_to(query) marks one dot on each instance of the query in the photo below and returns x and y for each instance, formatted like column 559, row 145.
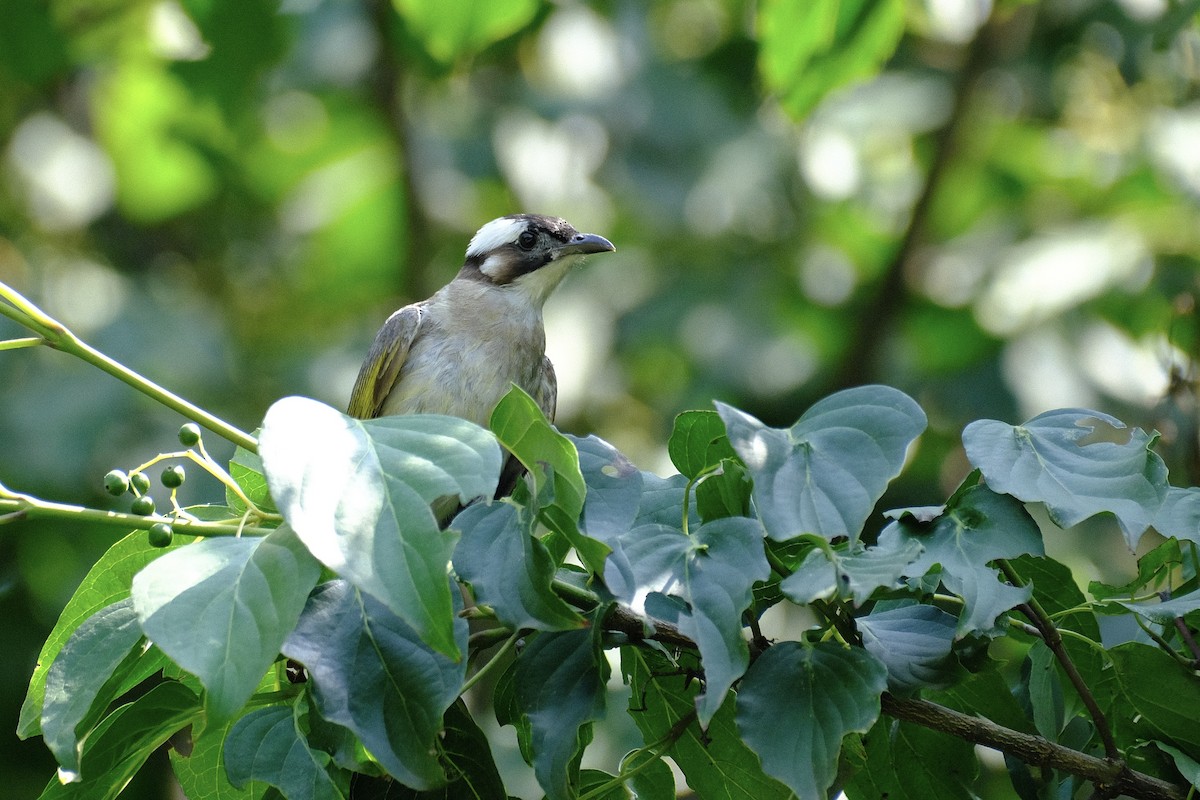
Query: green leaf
column 914, row 643
column 985, row 693
column 825, row 473
column 454, row 31
column 358, row 494
column 246, row 469
column 121, row 743
column 698, row 442
column 592, row 779
column 1165, row 694
column 267, row 745
column 807, row 49
column 372, row 673
column 222, row 608
column 523, row 429
column 909, row 762
column 1079, row 463
column 1179, row 515
column 1188, row 767
column 1154, row 569
column 796, row 703
column 560, row 680
column 105, row 583
column 713, row 571
column 854, row 575
column 716, row 762
column 614, row 489
column 650, row 781
column 1044, row 691
column 90, row 672
column 724, row 492
column 978, row 527
column 509, row 569
column 201, row 772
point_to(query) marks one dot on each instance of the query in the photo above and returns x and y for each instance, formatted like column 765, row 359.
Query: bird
column 461, row 350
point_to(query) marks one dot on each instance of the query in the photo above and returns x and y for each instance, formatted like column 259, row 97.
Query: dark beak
column 584, row 243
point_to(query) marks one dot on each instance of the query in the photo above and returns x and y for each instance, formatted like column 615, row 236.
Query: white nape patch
column 495, row 234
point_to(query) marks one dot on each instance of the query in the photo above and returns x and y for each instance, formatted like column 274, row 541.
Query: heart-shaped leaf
column 1077, row 462
column 221, row 608
column 979, row 526
column 509, row 569
column 713, row 571
column 358, row 494
column 796, row 703
column 614, row 489
column 372, row 673
column 854, row 574
column 825, row 473
column 698, row 442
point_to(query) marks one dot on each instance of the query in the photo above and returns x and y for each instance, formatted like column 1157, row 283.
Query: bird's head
column 528, row 253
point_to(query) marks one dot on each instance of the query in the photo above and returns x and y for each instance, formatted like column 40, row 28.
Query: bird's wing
column 547, row 390
column 388, row 353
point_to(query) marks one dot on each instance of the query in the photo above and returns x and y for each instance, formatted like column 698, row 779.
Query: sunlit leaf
column 698, row 442
column 614, row 489
column 853, row 575
column 358, row 495
column 713, row 571
column 1079, row 463
column 222, row 607
column 453, row 31
column 825, row 473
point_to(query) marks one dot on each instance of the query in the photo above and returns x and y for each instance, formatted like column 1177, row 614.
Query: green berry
column 139, row 482
column 143, row 506
column 172, row 477
column 161, row 534
column 189, row 434
column 116, row 483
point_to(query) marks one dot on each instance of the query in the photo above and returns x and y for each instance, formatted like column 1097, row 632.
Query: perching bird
column 460, row 351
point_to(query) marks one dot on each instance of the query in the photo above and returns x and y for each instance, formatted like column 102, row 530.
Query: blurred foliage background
column 990, row 204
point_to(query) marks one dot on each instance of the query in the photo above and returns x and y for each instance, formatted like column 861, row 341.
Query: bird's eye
column 527, row 240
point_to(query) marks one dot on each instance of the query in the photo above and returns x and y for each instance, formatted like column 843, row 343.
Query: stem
column 1185, row 633
column 656, row 751
column 15, row 507
column 1034, row 750
column 58, row 336
column 16, row 344
column 509, row 644
column 1053, row 639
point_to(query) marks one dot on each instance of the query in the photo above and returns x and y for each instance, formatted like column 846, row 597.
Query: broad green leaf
column 614, row 489
column 713, row 571
column 267, row 745
column 716, row 762
column 662, row 502
column 698, row 442
column 1165, row 694
column 852, row 575
column 914, row 643
column 560, row 680
column 523, row 429
column 453, row 31
column 246, row 469
column 724, row 492
column 796, row 703
column 1079, row 463
column 89, row 672
column 222, row 607
column 807, row 49
column 509, row 569
column 977, row 528
column 358, row 494
column 372, row 673
column 1179, row 515
column 472, row 769
column 106, row 583
column 909, row 762
column 1188, row 767
column 825, row 473
column 986, row 694
column 201, row 772
column 1044, row 691
column 121, row 743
